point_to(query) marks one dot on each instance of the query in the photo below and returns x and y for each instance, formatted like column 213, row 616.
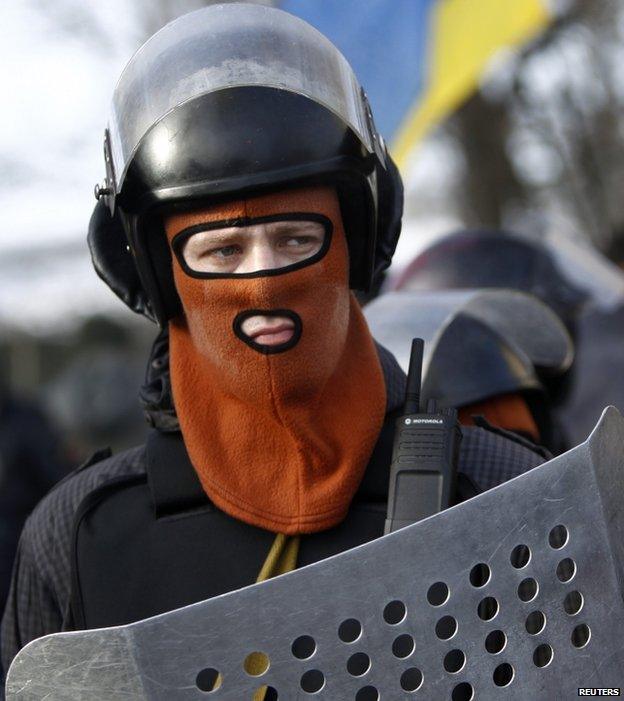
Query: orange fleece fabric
column 509, row 411
column 280, row 441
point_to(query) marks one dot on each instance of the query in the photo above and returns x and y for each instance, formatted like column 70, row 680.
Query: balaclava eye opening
column 279, row 436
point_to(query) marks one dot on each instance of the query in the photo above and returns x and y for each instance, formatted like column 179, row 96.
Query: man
column 254, row 192
column 498, row 259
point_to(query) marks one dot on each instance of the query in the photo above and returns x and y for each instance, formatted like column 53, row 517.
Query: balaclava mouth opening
column 279, row 436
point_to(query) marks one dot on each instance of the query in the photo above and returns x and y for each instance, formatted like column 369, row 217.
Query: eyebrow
column 302, row 224
column 224, row 234
column 227, row 233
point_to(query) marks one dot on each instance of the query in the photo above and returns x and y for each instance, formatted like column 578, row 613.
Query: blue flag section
column 418, row 60
column 386, row 43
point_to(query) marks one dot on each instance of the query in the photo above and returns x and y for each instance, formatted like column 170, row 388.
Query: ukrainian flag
column 420, row 59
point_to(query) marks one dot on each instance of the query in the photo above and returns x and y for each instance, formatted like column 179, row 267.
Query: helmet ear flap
column 390, row 212
column 113, row 261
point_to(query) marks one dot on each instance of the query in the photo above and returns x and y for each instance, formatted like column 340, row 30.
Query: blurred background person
column 493, row 354
column 31, row 462
column 581, row 286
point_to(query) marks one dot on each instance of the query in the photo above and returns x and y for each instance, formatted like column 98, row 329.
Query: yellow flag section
column 463, row 37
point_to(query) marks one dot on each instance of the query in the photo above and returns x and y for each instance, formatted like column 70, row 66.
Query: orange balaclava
column 508, row 411
column 279, row 440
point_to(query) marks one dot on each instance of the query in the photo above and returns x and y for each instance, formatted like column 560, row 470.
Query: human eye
column 297, row 242
column 300, row 240
column 204, row 252
column 224, row 251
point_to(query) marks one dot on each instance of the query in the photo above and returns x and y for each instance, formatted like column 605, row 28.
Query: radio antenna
column 414, row 377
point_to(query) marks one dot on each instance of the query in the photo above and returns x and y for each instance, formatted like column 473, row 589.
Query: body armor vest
column 146, row 544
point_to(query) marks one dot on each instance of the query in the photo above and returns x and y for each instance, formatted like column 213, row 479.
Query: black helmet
column 231, row 100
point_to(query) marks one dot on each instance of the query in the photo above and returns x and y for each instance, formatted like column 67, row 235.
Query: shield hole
column 265, row 693
column 454, row 661
column 566, row 569
column 350, row 630
column 487, row 609
column 558, row 537
column 394, row 613
column 535, row 622
column 503, row 674
column 495, row 642
column 312, row 681
column 367, row 693
column 438, row 594
column 480, row 575
column 358, row 664
column 573, row 603
column 411, row 679
column 208, row 680
column 446, row 627
column 403, row 646
column 304, row 647
column 527, row 589
column 542, row 656
column 463, row 692
column 520, row 556
column 256, row 664
column 581, row 635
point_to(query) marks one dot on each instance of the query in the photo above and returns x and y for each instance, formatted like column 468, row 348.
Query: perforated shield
column 515, row 594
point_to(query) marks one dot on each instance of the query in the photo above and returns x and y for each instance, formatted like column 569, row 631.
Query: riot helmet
column 483, row 258
column 481, row 345
column 229, row 101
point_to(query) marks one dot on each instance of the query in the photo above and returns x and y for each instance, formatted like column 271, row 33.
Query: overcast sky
column 60, row 64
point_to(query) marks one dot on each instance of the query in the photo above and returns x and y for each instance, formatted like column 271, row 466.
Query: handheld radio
column 424, row 458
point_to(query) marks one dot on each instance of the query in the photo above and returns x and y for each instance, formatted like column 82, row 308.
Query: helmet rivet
column 101, row 190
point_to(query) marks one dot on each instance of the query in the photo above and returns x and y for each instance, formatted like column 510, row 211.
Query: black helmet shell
column 234, row 100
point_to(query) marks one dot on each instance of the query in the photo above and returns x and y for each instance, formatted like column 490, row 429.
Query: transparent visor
column 260, row 246
column 226, row 46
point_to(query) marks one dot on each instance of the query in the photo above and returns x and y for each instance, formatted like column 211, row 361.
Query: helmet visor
column 226, row 46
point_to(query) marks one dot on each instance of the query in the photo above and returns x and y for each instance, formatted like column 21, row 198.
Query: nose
column 261, row 256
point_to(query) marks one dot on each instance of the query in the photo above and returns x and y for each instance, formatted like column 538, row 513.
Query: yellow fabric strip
column 282, row 558
column 464, row 35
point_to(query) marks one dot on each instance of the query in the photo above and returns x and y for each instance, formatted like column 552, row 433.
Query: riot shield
column 515, row 594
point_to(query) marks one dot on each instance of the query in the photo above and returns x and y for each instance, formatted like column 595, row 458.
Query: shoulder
column 63, row 500
column 490, row 458
column 47, row 532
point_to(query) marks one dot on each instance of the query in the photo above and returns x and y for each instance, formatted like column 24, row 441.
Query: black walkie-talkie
column 424, row 459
